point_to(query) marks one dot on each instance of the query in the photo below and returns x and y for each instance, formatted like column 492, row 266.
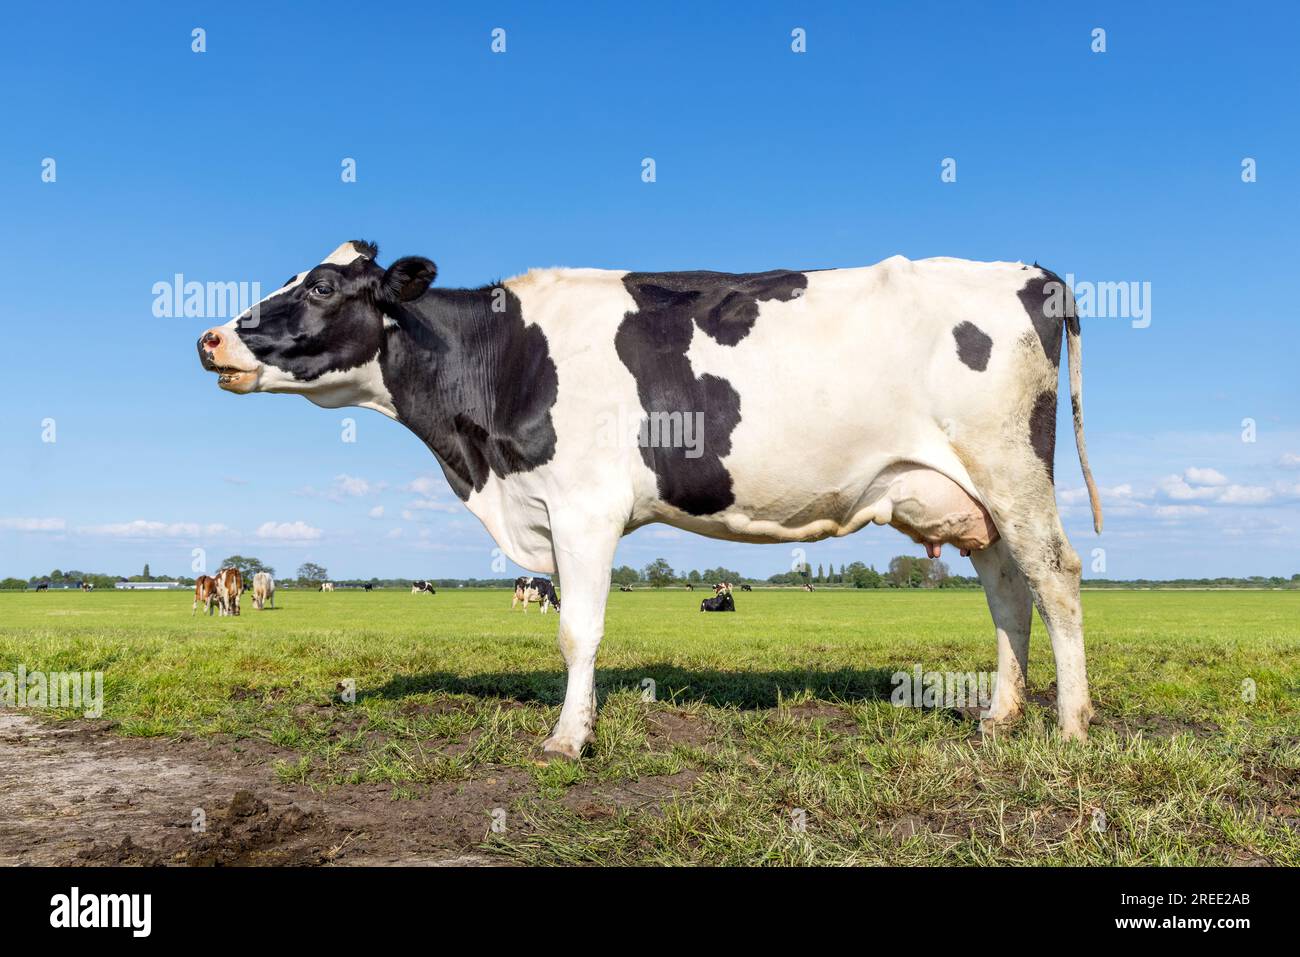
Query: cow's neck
column 473, row 383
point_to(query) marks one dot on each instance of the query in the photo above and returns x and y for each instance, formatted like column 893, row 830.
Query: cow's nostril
column 211, row 340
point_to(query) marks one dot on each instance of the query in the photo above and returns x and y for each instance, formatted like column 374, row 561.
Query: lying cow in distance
column 205, row 592
column 624, row 587
column 422, row 588
column 539, row 590
column 721, row 601
column 230, row 585
column 518, row 389
column 746, row 587
column 263, row 590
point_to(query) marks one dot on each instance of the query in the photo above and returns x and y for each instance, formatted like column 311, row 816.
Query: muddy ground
column 76, row 794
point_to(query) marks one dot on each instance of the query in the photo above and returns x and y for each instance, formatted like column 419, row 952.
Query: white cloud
column 1117, row 493
column 394, row 533
column 432, row 505
column 1289, row 460
column 1197, row 476
column 288, row 531
column 1245, row 495
column 376, row 512
column 33, row 524
column 1207, row 485
column 1179, row 511
column 343, row 486
column 427, row 485
column 140, row 528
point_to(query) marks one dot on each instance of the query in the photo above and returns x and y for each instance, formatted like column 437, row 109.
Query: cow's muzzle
column 220, row 351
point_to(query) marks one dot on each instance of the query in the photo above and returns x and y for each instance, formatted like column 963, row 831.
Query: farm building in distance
column 149, row 586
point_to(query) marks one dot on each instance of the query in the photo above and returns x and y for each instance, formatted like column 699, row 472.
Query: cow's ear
column 406, row 279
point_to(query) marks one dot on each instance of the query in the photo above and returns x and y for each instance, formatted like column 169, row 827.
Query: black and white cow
column 422, row 587
column 568, row 407
column 722, row 601
column 746, row 587
column 539, row 590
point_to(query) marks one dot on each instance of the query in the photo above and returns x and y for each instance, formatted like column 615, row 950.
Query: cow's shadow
column 672, row 683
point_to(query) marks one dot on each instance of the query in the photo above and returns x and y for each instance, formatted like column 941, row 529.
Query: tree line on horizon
column 903, row 571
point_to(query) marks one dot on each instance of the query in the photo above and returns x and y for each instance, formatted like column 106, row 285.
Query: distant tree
column 938, row 574
column 863, row 576
column 695, row 577
column 12, row 584
column 659, row 573
column 625, row 575
column 721, row 574
column 907, row 571
column 145, row 574
column 248, row 567
column 310, row 574
column 821, row 574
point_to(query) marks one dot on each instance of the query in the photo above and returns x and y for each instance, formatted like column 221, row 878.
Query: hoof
column 992, row 722
column 1074, row 733
column 556, row 750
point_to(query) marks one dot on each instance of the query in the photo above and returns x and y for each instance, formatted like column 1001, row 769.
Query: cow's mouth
column 235, row 380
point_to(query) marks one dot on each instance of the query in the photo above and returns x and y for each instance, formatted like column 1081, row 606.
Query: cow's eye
column 322, row 289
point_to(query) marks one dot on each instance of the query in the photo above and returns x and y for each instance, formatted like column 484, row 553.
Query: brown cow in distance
column 230, row 584
column 205, row 590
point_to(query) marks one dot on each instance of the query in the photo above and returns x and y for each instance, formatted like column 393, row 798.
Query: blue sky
column 1122, row 166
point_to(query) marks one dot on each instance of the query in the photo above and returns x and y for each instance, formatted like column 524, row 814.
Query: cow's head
column 320, row 334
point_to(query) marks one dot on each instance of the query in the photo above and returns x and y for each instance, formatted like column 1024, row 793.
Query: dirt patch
column 86, row 796
column 675, row 727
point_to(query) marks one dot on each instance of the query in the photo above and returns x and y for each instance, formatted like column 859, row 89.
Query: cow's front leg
column 582, row 558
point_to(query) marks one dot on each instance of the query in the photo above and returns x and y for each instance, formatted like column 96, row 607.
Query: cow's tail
column 1074, row 358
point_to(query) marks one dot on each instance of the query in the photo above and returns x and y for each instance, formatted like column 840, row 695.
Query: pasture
column 771, row 740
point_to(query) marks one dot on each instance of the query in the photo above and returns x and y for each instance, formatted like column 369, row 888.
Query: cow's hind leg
column 583, row 556
column 1027, row 520
column 1012, row 605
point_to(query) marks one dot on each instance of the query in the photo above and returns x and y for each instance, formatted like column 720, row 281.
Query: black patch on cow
column 723, row 305
column 1042, row 430
column 652, row 343
column 1050, row 304
column 476, row 385
column 973, row 345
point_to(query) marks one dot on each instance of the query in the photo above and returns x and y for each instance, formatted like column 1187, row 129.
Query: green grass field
column 767, row 719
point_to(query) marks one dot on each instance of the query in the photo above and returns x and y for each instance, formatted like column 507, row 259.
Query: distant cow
column 746, row 587
column 690, row 587
column 722, row 601
column 230, row 585
column 43, row 586
column 263, row 589
column 423, row 587
column 622, row 588
column 807, row 587
column 326, row 586
column 87, row 586
column 368, row 587
column 205, row 591
column 530, row 589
